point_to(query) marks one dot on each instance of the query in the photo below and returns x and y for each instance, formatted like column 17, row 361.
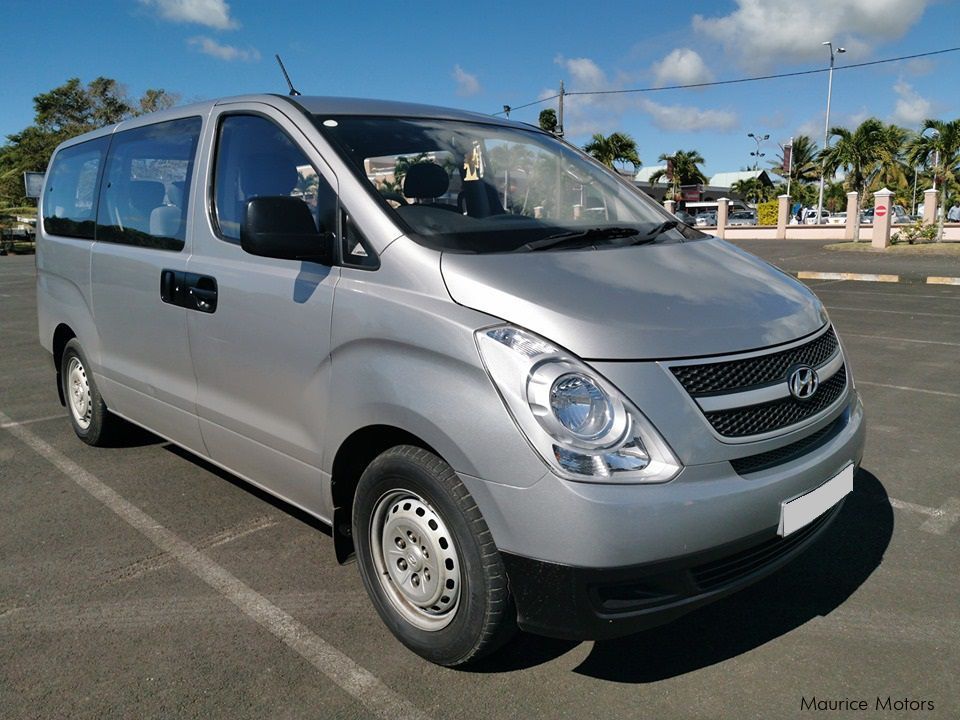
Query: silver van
column 519, row 392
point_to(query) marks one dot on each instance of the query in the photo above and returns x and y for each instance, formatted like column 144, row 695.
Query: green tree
column 752, row 189
column 683, row 168
column 60, row 114
column 940, row 150
column 612, row 149
column 861, row 153
column 548, row 120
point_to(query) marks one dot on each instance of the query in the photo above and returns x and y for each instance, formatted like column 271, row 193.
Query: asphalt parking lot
column 138, row 581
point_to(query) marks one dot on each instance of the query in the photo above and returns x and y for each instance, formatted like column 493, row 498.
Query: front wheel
column 428, row 560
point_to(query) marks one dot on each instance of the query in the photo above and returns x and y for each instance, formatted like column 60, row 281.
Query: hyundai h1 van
column 520, row 393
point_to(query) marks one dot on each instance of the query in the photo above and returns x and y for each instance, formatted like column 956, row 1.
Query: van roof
column 313, row 104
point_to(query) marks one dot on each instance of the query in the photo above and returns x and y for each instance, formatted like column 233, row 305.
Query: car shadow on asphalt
column 813, row 584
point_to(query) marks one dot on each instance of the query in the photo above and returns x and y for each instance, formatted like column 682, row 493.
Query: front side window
column 146, row 185
column 483, row 187
column 70, row 198
column 255, row 158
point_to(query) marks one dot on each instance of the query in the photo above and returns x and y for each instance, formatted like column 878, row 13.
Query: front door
column 262, row 358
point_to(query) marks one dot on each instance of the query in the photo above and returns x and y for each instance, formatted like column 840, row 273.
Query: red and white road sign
column 880, row 210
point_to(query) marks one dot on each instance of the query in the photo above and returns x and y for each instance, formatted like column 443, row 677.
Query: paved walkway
column 808, row 255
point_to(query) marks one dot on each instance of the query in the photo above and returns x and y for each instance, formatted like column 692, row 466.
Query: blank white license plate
column 796, row 513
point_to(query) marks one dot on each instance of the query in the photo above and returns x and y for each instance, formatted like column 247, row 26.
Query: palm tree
column 860, row 153
column 683, row 168
column 941, row 151
column 613, row 148
column 804, row 165
column 753, row 189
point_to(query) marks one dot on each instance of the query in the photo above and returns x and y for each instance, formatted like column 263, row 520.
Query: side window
column 146, row 185
column 70, row 200
column 255, row 158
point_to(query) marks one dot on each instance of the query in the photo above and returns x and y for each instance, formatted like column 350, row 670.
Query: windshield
column 482, row 188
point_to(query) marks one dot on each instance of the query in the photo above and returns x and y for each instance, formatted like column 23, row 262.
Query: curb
column 875, row 277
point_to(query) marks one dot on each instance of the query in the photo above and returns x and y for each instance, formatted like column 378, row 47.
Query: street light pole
column 757, row 155
column 826, row 127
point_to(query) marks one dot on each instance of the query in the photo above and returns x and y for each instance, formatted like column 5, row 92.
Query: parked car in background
column 839, row 218
column 706, row 219
column 744, row 217
column 685, row 217
column 810, row 216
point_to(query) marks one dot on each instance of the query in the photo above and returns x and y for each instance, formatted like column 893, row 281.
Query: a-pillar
column 930, row 206
column 853, row 217
column 783, row 215
column 723, row 209
column 883, row 199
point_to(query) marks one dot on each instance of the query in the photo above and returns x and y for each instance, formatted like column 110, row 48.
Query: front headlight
column 581, row 425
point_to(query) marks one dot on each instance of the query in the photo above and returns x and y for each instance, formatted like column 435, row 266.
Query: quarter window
column 146, row 185
column 255, row 158
column 70, row 201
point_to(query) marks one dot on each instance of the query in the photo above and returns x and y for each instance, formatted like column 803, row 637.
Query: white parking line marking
column 867, row 277
column 892, row 312
column 907, row 340
column 31, row 421
column 909, row 389
column 937, row 280
column 351, row 677
column 939, row 520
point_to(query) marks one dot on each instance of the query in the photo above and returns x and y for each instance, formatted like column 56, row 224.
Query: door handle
column 188, row 290
column 202, row 290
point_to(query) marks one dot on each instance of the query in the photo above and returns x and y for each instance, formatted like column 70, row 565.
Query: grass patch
column 945, row 248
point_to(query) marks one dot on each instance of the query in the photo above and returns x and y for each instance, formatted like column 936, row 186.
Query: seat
column 425, row 182
column 143, row 197
column 479, row 199
column 166, row 220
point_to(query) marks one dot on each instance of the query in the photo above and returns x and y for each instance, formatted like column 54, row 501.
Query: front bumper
column 577, row 603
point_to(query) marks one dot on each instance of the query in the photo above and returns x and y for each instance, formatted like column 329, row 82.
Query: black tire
column 483, row 616
column 97, row 426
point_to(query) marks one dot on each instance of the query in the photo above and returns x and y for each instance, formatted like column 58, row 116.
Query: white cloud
column 761, row 33
column 685, row 118
column 211, row 47
column 212, row 13
column 911, row 108
column 588, row 114
column 682, row 66
column 467, row 84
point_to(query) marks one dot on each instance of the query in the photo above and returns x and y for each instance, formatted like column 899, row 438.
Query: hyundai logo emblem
column 803, row 382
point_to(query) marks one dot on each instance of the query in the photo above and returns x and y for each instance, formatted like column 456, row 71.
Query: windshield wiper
column 653, row 233
column 578, row 238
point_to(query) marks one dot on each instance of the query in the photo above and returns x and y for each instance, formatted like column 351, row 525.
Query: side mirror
column 282, row 227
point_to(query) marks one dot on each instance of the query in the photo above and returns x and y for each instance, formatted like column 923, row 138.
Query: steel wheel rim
column 78, row 393
column 416, row 560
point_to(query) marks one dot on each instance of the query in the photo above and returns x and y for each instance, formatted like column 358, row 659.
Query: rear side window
column 255, row 158
column 70, row 199
column 146, row 185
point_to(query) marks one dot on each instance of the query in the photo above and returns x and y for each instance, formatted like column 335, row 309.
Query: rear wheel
column 91, row 420
column 428, row 560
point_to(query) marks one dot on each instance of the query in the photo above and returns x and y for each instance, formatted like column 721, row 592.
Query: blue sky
column 483, row 56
